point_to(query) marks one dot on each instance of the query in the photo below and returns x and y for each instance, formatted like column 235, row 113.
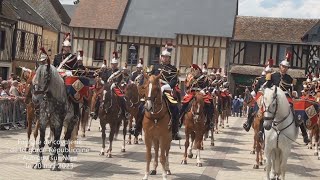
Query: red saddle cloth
column 177, row 89
column 225, row 94
column 118, row 92
column 207, row 98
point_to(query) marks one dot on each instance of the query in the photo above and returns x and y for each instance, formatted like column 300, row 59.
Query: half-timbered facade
column 195, row 39
column 7, row 26
column 258, row 39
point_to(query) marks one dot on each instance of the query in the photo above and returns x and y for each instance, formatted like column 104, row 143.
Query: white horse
column 280, row 131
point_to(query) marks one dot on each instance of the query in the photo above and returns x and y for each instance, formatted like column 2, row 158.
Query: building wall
column 26, row 57
column 64, row 30
column 50, row 41
column 84, row 39
column 5, row 55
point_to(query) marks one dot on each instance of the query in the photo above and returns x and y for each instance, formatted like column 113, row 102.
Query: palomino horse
column 194, row 122
column 109, row 114
column 49, row 93
column 155, row 126
column 280, row 131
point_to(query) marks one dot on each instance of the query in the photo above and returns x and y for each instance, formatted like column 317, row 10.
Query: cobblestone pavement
column 230, row 158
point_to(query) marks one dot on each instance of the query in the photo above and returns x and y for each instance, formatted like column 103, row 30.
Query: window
column 283, row 49
column 99, row 50
column 35, row 44
column 186, row 56
column 252, row 53
column 154, row 55
column 23, row 41
column 132, row 54
column 2, row 39
column 214, row 58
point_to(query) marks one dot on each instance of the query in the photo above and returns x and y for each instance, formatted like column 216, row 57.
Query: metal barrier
column 12, row 111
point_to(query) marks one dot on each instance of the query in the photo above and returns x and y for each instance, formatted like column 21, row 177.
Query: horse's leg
column 148, row 143
column 254, row 140
column 125, row 125
column 111, row 136
column 39, row 164
column 35, row 135
column 163, row 159
column 256, row 147
column 67, row 137
column 212, row 136
column 311, row 138
column 74, row 135
column 156, row 157
column 103, row 136
column 167, row 159
column 190, row 154
column 283, row 165
column 84, row 120
column 56, row 145
column 198, row 142
column 130, row 127
column 29, row 128
column 186, row 146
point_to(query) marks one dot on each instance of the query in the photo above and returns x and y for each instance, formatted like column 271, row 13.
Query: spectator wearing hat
column 14, row 89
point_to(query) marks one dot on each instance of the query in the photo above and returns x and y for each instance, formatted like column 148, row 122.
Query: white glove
column 112, row 86
column 202, row 91
column 166, row 87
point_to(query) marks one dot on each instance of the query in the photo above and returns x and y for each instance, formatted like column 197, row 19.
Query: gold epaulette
column 268, row 76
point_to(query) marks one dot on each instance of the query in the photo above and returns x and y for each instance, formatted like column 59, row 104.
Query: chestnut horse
column 109, row 114
column 96, row 96
column 258, row 142
column 194, row 122
column 155, row 126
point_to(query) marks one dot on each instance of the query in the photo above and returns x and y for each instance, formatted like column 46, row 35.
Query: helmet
column 43, row 57
column 285, row 62
column 166, row 53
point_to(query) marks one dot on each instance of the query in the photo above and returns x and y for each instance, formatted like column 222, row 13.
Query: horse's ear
column 145, row 75
column 158, row 76
column 275, row 89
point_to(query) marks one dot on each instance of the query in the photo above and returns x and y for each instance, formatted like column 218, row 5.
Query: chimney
column 1, row 2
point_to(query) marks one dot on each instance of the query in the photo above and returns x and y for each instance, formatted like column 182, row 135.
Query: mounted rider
column 286, row 82
column 169, row 79
column 137, row 75
column 253, row 109
column 117, row 77
column 198, row 81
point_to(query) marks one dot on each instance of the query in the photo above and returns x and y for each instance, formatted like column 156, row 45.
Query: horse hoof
column 140, row 139
column 38, row 166
column 34, row 151
column 255, row 166
column 55, row 168
column 217, row 132
column 168, row 172
column 201, row 148
column 136, row 142
column 129, row 142
column 27, row 149
column 123, row 150
column 316, row 153
column 222, row 127
column 212, row 144
column 88, row 129
column 66, row 161
column 190, row 156
column 153, row 172
column 318, row 158
column 261, row 163
column 101, row 153
column 50, row 144
column 265, row 168
column 184, row 162
column 83, row 135
column 199, row 164
column 253, row 152
column 109, row 156
column 227, row 125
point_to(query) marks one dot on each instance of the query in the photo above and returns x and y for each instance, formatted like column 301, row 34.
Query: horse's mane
column 268, row 92
column 56, row 86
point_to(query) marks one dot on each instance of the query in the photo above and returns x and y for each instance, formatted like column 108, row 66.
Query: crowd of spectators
column 10, row 87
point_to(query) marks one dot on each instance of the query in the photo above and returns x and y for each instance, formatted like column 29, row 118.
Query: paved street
column 229, row 159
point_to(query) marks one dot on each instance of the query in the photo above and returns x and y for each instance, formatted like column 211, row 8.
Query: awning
column 257, row 70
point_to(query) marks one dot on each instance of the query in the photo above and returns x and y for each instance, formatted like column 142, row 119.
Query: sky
column 273, row 8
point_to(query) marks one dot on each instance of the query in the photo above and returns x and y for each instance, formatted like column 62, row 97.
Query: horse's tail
column 117, row 128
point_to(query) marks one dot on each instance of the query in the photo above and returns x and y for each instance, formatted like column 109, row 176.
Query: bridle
column 153, row 100
column 47, row 82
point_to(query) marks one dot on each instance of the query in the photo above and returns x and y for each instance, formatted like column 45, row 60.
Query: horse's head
column 270, row 106
column 197, row 106
column 152, row 91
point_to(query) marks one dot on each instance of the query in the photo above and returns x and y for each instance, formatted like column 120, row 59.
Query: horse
column 133, row 103
column 194, row 122
column 55, row 108
column 280, row 132
column 258, row 142
column 155, row 126
column 96, row 96
column 108, row 114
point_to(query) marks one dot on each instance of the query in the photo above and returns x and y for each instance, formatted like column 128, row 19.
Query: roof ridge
column 266, row 17
column 40, row 16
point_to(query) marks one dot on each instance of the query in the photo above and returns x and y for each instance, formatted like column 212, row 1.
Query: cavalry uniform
column 168, row 80
column 285, row 82
column 137, row 75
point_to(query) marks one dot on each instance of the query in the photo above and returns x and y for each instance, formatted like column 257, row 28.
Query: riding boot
column 136, row 130
column 304, row 133
column 182, row 113
column 96, row 109
column 174, row 122
column 208, row 110
column 248, row 123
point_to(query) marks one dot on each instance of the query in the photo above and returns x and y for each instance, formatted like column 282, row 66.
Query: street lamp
column 133, row 53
